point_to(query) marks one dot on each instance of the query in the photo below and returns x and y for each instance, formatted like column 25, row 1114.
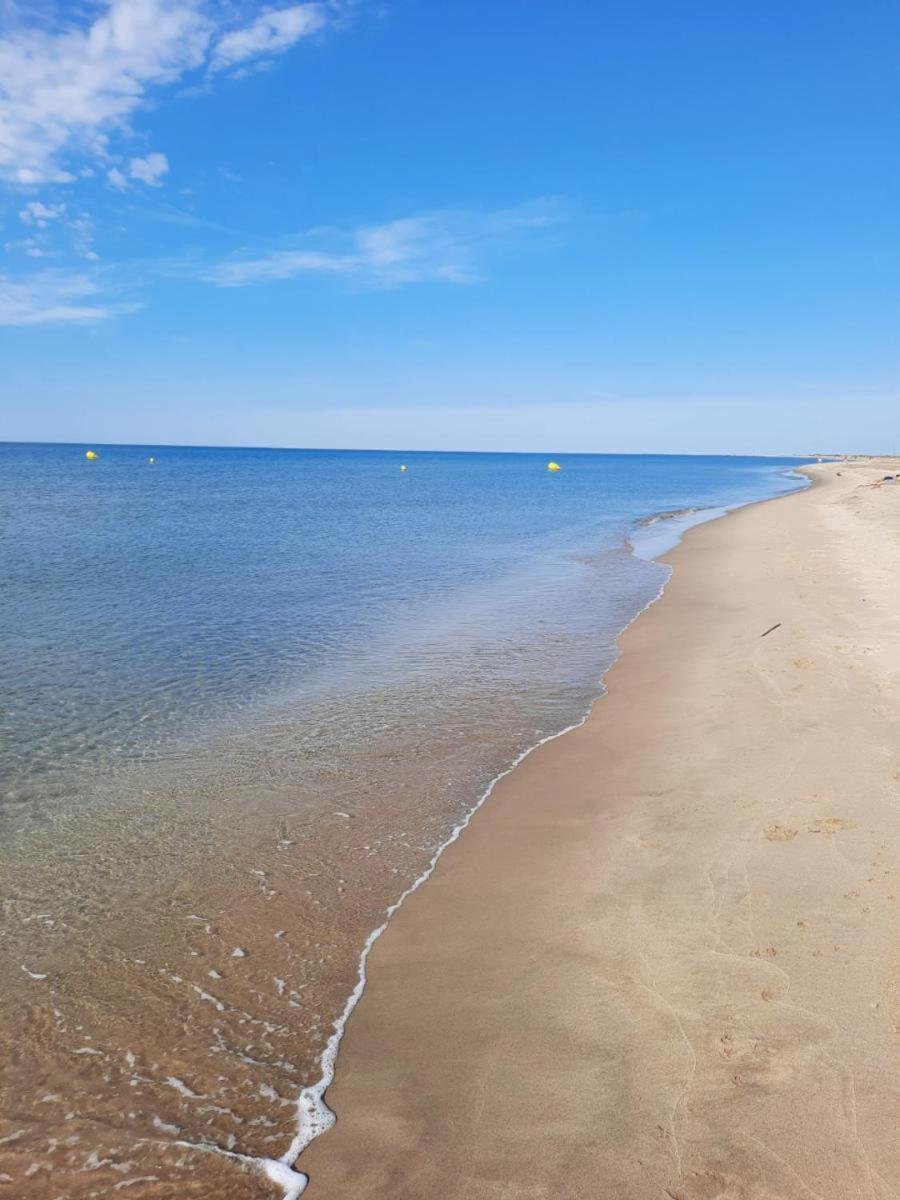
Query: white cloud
column 52, row 298
column 28, row 246
column 281, row 264
column 65, row 91
column 62, row 92
column 56, row 231
column 272, row 33
column 150, row 169
column 36, row 213
column 82, row 229
column 445, row 246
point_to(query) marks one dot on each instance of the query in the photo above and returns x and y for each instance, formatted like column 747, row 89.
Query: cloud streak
column 53, row 298
column 445, row 246
column 271, row 34
column 64, row 93
column 449, row 246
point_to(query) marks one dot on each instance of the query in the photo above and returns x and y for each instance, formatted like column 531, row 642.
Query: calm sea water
column 244, row 695
column 143, row 604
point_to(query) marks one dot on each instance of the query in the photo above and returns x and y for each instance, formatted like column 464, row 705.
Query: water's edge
column 650, row 537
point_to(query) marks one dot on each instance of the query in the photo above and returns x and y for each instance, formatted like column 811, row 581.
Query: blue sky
column 492, row 226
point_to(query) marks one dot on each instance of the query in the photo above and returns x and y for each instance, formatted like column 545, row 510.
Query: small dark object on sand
column 887, row 477
column 772, row 630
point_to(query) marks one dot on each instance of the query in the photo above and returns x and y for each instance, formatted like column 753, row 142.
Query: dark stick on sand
column 772, row 630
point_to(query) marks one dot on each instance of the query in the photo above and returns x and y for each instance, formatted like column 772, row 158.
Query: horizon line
column 409, row 450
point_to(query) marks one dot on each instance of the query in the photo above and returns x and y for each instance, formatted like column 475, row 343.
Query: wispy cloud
column 54, row 298
column 270, row 34
column 453, row 246
column 448, row 246
column 65, row 92
column 36, row 213
column 55, row 232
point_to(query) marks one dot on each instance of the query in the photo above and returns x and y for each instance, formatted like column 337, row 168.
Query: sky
column 644, row 227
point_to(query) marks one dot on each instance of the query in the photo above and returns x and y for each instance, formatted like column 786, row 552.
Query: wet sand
column 662, row 961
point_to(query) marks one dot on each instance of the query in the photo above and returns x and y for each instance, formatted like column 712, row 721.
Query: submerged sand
column 662, row 961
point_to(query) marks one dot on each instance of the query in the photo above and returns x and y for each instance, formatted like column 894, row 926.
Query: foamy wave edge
column 314, row 1115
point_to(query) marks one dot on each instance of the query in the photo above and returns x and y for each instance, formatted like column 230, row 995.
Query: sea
column 246, row 696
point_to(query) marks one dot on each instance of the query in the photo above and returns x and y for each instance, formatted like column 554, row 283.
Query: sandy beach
column 662, row 960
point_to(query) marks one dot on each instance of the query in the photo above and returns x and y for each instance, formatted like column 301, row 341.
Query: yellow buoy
column 553, row 466
column 91, row 454
column 403, row 467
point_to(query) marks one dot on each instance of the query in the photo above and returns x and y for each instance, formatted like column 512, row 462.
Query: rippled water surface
column 244, row 694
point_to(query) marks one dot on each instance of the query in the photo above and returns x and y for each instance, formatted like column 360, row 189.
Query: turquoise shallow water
column 145, row 606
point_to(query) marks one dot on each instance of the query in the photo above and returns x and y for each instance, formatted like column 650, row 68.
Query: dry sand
column 663, row 959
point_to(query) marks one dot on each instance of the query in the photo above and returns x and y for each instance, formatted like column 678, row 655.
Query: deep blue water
column 145, row 607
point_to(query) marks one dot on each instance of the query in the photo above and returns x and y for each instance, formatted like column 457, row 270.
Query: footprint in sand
column 780, row 833
column 830, row 825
